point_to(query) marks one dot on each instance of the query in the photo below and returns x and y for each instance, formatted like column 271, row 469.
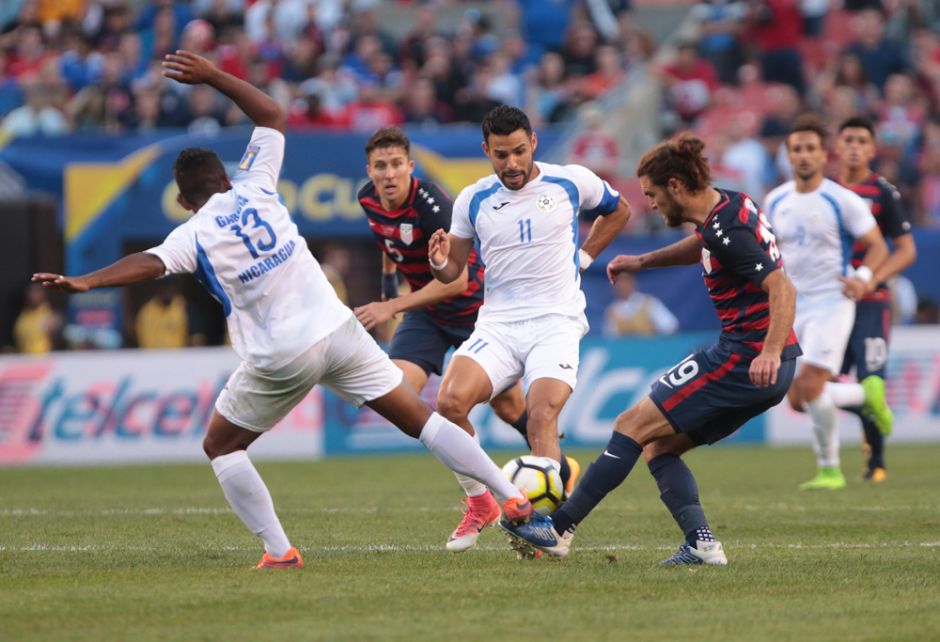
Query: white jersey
column 245, row 249
column 815, row 232
column 529, row 239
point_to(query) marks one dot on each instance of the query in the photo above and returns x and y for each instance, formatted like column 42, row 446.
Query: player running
column 525, row 217
column 867, row 350
column 817, row 220
column 286, row 323
column 713, row 392
column 403, row 213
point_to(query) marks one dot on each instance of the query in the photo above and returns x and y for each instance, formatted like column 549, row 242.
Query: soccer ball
column 538, row 478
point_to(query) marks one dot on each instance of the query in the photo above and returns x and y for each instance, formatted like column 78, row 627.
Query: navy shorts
column 709, row 395
column 868, row 344
column 421, row 340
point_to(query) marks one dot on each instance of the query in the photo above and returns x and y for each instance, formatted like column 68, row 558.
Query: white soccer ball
column 538, row 478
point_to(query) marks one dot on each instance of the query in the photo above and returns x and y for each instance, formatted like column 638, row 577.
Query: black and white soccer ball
column 538, row 478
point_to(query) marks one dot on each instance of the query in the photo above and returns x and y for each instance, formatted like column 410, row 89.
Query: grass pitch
column 153, row 553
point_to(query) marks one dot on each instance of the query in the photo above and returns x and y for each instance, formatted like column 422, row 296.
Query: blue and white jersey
column 529, row 239
column 245, row 249
column 815, row 232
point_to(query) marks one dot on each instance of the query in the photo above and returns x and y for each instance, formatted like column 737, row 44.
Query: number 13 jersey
column 244, row 248
column 529, row 239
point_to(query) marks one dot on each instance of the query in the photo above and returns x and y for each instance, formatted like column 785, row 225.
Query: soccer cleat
column 575, row 468
column 875, row 475
column 482, row 511
column 291, row 559
column 538, row 533
column 827, row 478
column 517, row 510
column 701, row 553
column 876, row 406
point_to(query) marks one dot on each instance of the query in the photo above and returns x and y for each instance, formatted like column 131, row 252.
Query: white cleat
column 701, row 553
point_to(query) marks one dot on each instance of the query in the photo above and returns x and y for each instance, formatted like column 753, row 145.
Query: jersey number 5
column 257, row 223
column 393, row 251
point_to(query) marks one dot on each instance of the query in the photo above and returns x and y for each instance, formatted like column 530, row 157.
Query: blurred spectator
column 422, row 106
column 927, row 312
column 880, row 57
column 636, row 313
column 547, row 93
column 579, row 49
column 593, row 147
column 163, row 321
column 39, row 116
column 336, row 262
column 690, row 82
column 608, row 72
column 745, row 155
column 36, row 326
column 721, row 23
column 776, row 26
column 371, row 111
column 544, row 24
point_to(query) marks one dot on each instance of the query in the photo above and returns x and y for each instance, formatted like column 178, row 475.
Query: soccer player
column 712, row 392
column 286, row 323
column 525, row 217
column 817, row 220
column 867, row 349
column 403, row 213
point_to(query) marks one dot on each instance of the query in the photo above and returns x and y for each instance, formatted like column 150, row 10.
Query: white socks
column 250, row 499
column 458, row 451
column 472, row 487
column 845, row 395
column 823, row 412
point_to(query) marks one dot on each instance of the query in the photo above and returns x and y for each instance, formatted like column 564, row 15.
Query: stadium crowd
column 739, row 75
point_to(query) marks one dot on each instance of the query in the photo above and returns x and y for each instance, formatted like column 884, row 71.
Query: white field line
column 417, row 548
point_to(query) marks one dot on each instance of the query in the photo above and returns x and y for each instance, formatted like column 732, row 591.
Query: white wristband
column 863, row 273
column 584, row 259
column 435, row 266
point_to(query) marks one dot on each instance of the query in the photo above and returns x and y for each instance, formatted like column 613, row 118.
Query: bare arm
column 904, row 255
column 190, row 69
column 450, row 251
column 684, row 252
column 606, row 228
column 372, row 314
column 782, row 295
column 133, row 268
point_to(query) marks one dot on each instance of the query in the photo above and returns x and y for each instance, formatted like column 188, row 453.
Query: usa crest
column 406, row 232
column 545, row 202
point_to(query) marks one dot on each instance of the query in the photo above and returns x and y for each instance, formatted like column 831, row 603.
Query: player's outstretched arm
column 782, row 300
column 605, row 229
column 684, row 252
column 903, row 256
column 133, row 268
column 448, row 255
column 377, row 312
column 190, row 69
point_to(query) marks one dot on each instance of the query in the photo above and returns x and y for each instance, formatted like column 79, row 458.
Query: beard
column 671, row 211
column 514, row 175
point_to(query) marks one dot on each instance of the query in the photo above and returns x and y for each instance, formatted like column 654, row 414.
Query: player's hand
column 856, row 289
column 60, row 282
column 188, row 68
column 438, row 247
column 623, row 263
column 373, row 314
column 763, row 370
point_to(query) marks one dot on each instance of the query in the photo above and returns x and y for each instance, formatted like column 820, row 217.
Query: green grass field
column 153, row 553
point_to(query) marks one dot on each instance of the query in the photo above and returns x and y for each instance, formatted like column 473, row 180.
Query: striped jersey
column 815, row 232
column 529, row 239
column 245, row 249
column 738, row 252
column 893, row 220
column 403, row 235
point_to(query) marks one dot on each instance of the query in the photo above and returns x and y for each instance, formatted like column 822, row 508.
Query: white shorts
column 823, row 325
column 543, row 347
column 348, row 361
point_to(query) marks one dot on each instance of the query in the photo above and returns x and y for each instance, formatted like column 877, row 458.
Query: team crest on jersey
column 545, row 203
column 407, row 233
column 249, row 158
column 707, row 261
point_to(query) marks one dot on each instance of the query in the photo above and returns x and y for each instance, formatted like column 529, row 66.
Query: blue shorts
column 709, row 395
column 421, row 340
column 867, row 350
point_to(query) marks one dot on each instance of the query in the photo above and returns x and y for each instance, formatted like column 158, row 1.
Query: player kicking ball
column 713, row 392
column 286, row 322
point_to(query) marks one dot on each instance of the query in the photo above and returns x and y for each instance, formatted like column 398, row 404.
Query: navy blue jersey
column 403, row 235
column 738, row 252
column 893, row 220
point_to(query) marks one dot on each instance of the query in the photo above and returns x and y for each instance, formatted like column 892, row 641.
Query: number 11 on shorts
column 681, row 373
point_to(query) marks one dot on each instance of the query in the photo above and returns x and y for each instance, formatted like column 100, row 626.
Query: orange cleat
column 291, row 559
column 517, row 510
column 575, row 468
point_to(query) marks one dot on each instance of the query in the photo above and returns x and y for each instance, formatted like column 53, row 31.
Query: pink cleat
column 482, row 511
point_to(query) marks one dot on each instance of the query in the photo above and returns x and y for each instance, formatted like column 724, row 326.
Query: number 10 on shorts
column 681, row 373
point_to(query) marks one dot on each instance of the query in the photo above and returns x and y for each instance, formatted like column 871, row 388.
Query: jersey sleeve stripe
column 575, row 197
column 206, row 275
column 478, row 199
column 845, row 238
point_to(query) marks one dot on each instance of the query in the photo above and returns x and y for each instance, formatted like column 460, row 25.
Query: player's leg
column 413, row 374
column 509, row 405
column 418, row 348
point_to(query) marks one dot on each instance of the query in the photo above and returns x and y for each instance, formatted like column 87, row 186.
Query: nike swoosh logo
column 610, row 454
column 565, row 366
column 501, row 205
